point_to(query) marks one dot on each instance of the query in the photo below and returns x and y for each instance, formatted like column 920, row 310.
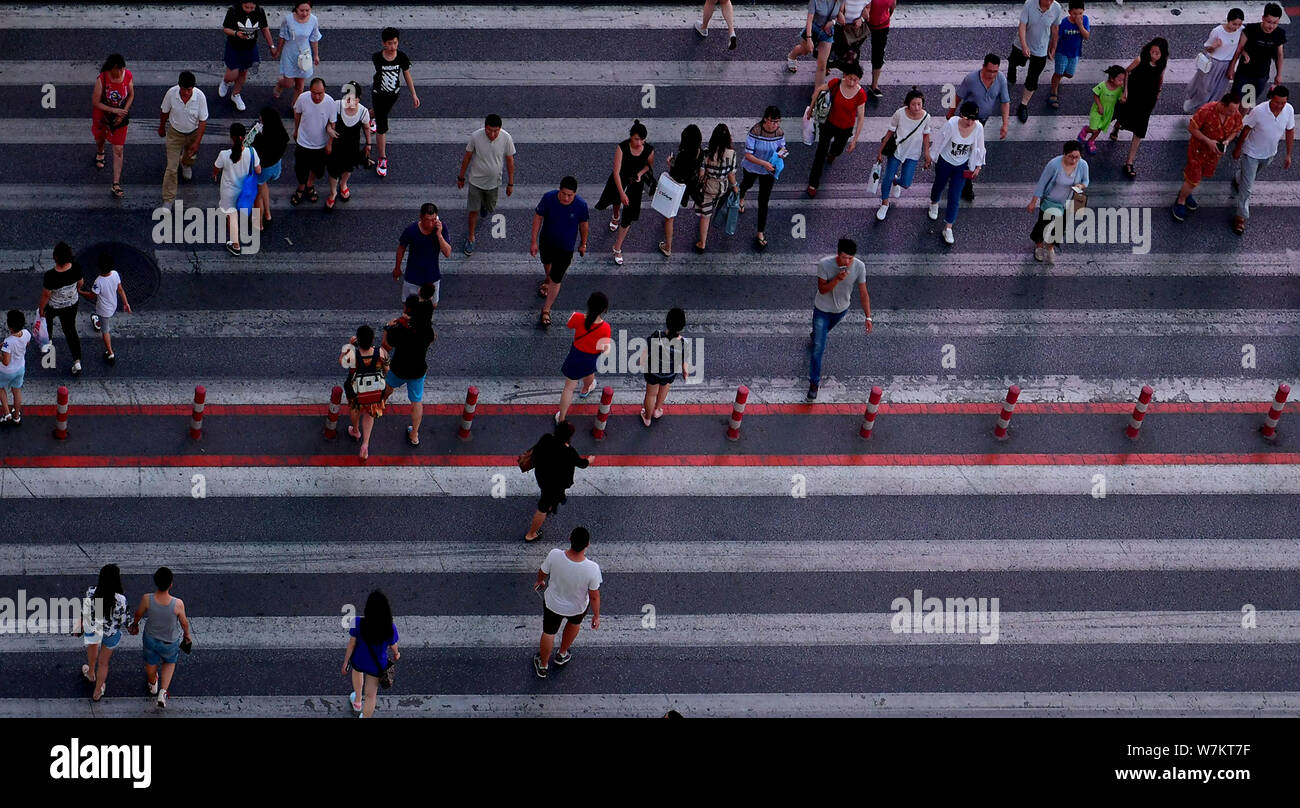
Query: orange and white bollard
column 602, row 414
column 1004, row 420
column 61, row 415
column 1269, row 429
column 332, row 420
column 737, row 413
column 196, row 420
column 467, row 418
column 1139, row 412
column 869, row 417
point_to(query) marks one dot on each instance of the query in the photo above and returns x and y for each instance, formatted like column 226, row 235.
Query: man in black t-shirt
column 391, row 66
column 1261, row 46
column 407, row 340
column 242, row 22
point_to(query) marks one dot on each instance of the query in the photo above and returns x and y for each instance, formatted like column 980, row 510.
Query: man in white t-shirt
column 13, row 366
column 573, row 588
column 487, row 151
column 183, row 120
column 1263, row 127
column 313, row 112
column 104, row 293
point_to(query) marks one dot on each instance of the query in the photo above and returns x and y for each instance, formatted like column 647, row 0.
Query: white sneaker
column 162, row 698
column 882, row 212
column 187, row 173
column 947, row 236
column 898, row 191
column 1051, row 255
column 701, row 30
column 76, row 368
column 934, row 211
column 153, row 686
column 222, row 89
column 1039, row 253
column 239, row 103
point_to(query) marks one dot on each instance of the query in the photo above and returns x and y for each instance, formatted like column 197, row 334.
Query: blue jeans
column 945, row 173
column 822, row 325
column 891, row 170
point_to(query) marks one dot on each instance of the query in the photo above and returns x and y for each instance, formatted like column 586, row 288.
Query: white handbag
column 304, row 59
column 668, row 196
column 809, row 128
column 1203, row 62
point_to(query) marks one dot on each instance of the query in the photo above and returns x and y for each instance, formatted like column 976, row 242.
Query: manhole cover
column 140, row 274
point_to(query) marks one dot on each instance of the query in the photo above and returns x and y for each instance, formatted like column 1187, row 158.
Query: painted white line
column 412, row 18
column 206, row 260
column 655, row 481
column 734, row 630
column 448, row 556
column 712, row 390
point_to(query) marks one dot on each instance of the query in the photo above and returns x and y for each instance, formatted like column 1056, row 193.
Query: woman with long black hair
column 103, row 616
column 591, row 338
column 271, row 140
column 719, row 178
column 633, row 160
column 1145, row 78
column 686, row 165
column 372, row 640
column 232, row 167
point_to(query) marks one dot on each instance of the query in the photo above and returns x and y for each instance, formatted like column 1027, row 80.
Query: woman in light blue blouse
column 298, row 60
column 765, row 154
column 1061, row 178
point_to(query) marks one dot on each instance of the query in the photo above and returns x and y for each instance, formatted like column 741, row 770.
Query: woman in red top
column 878, row 14
column 848, row 111
column 109, row 107
column 591, row 338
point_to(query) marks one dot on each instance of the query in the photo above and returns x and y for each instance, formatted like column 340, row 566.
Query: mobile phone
column 1222, row 146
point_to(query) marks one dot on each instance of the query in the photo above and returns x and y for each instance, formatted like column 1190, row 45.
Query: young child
column 108, row 286
column 665, row 358
column 13, row 364
column 390, row 63
column 1105, row 96
column 1075, row 29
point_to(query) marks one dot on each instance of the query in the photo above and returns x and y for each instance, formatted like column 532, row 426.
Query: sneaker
column 76, row 368
column 562, row 659
column 109, row 357
column 538, row 667
column 948, row 237
column 1022, row 113
column 468, row 249
column 8, row 418
column 373, row 127
column 701, row 30
column 187, row 173
column 152, row 687
column 732, row 44
column 1039, row 252
column 898, row 192
column 17, row 418
column 1179, row 212
column 94, row 320
column 382, row 168
column 356, row 702
column 162, row 698
column 1051, row 255
column 1238, row 225
column 812, row 391
column 1191, row 203
column 791, row 65
column 222, row 89
column 882, row 212
column 239, row 103
column 934, row 211
column 876, row 93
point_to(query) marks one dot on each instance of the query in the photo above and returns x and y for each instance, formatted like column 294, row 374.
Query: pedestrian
column 553, row 462
column 958, row 155
column 851, row 30
column 570, row 583
column 685, row 166
column 391, row 65
column 183, row 121
column 764, row 147
column 350, row 124
column 559, row 219
column 241, row 25
column 987, row 89
column 104, row 294
column 407, row 340
column 1263, row 127
column 489, row 148
column 299, row 49
column 59, row 296
column 591, row 338
column 1210, row 79
column 1212, row 127
column 367, row 366
column 728, row 15
column 817, row 35
column 1036, row 39
column 847, row 116
column 166, row 633
column 1105, row 97
column 1062, row 178
column 1145, row 77
column 665, row 359
column 837, row 275
column 878, row 14
column 231, row 169
column 110, row 113
column 1261, row 45
column 634, row 160
column 719, row 179
column 13, row 367
column 1073, row 31
column 425, row 240
column 103, row 616
column 312, row 114
column 272, row 140
column 906, row 143
column 371, row 651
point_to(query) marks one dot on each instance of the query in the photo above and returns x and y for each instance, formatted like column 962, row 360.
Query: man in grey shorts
column 487, row 151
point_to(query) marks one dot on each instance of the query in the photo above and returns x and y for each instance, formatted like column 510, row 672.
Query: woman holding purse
column 1062, row 179
column 685, row 166
column 367, row 366
column 906, row 142
column 372, row 640
column 634, row 160
column 110, row 108
column 299, row 53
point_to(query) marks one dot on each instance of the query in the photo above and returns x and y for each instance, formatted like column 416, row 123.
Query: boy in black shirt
column 1261, row 45
column 390, row 65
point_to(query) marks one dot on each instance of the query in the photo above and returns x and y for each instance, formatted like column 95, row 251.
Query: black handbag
column 385, row 674
column 891, row 147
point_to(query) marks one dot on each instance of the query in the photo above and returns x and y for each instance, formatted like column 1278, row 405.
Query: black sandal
column 116, row 190
column 1130, row 171
column 311, row 195
column 296, row 199
column 99, row 160
column 761, row 241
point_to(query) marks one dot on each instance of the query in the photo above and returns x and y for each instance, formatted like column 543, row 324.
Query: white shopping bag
column 668, row 196
column 809, row 128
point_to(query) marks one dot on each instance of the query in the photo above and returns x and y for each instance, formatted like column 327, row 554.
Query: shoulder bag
column 891, row 147
column 385, row 674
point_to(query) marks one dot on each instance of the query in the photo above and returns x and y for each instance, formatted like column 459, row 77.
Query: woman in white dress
column 1207, row 86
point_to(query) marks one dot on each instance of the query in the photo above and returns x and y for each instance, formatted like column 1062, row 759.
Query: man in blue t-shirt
column 560, row 219
column 1074, row 30
column 424, row 239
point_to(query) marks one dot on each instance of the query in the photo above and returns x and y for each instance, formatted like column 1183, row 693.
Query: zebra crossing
column 756, row 580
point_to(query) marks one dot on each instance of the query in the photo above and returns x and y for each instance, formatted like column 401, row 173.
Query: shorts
column 241, row 59
column 157, row 652
column 307, row 162
column 551, row 621
column 1036, row 66
column 653, row 378
column 13, row 381
column 106, row 324
column 818, row 36
column 481, row 199
column 579, row 364
column 1065, row 65
column 1199, row 164
column 409, row 289
column 414, row 387
column 381, row 105
column 270, row 173
column 551, row 500
column 99, row 129
column 557, row 261
column 109, row 641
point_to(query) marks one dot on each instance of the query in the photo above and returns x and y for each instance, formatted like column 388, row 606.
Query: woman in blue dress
column 299, row 53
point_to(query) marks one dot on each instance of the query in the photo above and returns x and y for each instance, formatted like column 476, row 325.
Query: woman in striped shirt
column 764, row 145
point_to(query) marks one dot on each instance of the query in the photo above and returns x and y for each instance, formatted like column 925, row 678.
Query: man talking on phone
column 836, row 276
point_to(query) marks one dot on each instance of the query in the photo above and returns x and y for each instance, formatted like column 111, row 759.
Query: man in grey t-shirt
column 487, row 150
column 836, row 276
column 1035, row 46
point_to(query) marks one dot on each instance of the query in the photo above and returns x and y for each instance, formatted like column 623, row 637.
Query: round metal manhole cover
column 140, row 274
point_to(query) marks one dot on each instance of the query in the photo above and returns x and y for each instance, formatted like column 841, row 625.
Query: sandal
column 645, row 419
column 659, row 413
column 345, row 194
column 1054, row 101
column 545, row 321
column 541, row 290
column 99, row 160
column 534, row 538
column 311, row 195
column 663, row 248
column 329, row 203
column 742, row 205
column 618, row 257
column 354, row 433
column 296, row 199
column 588, row 391
column 761, row 241
column 613, row 224
column 356, row 702
column 365, row 452
column 116, row 190
column 411, row 434
column 1130, row 171
column 1114, row 134
column 99, row 694
column 85, row 672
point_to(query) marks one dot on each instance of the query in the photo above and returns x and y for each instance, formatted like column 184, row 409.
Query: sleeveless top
column 1142, row 84
column 162, row 624
column 348, row 134
column 632, row 163
column 114, row 92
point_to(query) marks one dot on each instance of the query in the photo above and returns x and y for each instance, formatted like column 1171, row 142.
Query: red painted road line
column 1041, row 408
column 730, row 461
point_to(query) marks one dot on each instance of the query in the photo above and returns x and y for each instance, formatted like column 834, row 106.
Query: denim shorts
column 414, row 387
column 13, row 381
column 818, row 36
column 108, row 641
column 270, row 173
column 157, row 652
column 1065, row 65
